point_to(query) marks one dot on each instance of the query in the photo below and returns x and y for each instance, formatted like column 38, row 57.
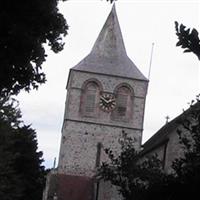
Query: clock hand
column 104, row 99
column 111, row 100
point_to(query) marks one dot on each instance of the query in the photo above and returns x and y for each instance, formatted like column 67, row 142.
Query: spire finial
column 112, row 1
column 113, row 4
column 113, row 7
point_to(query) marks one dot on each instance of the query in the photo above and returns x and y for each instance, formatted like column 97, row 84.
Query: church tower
column 105, row 95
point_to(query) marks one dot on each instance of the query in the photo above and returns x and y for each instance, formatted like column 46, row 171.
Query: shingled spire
column 108, row 55
column 110, row 42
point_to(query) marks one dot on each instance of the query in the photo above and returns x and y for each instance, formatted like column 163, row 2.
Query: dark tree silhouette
column 25, row 27
column 187, row 168
column 22, row 175
column 184, row 183
column 132, row 177
column 188, row 39
column 144, row 180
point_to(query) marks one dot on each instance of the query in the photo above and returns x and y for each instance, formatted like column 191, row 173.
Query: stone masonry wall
column 109, row 84
column 79, row 145
column 80, row 135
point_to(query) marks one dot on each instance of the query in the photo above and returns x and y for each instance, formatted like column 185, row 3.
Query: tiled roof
column 162, row 135
column 108, row 55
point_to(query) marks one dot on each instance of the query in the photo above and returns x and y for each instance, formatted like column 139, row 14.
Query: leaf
column 187, row 31
column 182, row 28
column 179, row 43
column 187, row 51
column 176, row 25
column 194, row 33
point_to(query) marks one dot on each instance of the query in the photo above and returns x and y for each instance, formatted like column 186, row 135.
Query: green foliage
column 22, row 175
column 9, row 113
column 25, row 27
column 187, row 168
column 185, row 182
column 132, row 177
column 188, row 39
column 10, row 183
column 143, row 179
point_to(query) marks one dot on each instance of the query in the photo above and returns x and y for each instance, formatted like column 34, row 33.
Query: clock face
column 107, row 102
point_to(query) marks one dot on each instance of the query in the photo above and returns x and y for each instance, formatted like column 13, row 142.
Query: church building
column 105, row 95
column 166, row 141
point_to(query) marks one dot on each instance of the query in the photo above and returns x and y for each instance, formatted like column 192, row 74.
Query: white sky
column 175, row 77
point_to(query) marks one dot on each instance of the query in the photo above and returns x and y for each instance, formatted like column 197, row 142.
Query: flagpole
column 151, row 57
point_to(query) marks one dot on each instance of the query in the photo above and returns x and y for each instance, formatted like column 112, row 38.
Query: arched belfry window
column 90, row 99
column 124, row 103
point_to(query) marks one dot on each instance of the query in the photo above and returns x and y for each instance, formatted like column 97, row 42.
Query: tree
column 140, row 178
column 10, row 183
column 25, row 27
column 184, row 183
column 28, row 163
column 187, row 168
column 21, row 170
column 188, row 39
column 132, row 177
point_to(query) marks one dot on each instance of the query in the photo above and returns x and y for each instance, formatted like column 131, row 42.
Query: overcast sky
column 174, row 80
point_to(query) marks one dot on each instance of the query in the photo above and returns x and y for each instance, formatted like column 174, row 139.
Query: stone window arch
column 124, row 103
column 90, row 98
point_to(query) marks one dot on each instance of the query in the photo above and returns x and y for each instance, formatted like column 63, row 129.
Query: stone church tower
column 105, row 95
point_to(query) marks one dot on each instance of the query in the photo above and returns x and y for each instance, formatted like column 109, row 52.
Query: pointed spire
column 110, row 41
column 108, row 55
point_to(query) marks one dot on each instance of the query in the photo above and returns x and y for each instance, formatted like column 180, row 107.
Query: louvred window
column 91, row 92
column 123, row 109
